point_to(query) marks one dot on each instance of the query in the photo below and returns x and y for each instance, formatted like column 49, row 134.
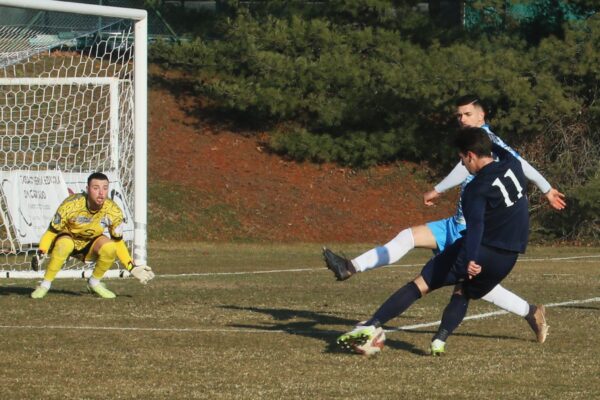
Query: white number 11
column 515, row 181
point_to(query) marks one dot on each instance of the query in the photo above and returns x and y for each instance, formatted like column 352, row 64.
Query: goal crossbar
column 78, row 8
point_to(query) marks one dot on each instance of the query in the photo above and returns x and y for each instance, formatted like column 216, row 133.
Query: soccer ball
column 372, row 346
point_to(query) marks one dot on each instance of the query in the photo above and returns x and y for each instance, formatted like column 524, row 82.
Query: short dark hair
column 97, row 175
column 471, row 99
column 475, row 140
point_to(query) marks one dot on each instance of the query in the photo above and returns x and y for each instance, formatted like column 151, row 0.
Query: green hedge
column 361, row 82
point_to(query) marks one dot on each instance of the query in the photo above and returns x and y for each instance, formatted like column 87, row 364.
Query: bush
column 361, row 82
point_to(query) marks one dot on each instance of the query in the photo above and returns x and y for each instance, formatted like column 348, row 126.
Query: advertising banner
column 32, row 197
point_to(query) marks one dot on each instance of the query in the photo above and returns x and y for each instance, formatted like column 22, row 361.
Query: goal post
column 73, row 100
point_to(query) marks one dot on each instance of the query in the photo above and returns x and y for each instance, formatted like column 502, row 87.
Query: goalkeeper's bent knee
column 63, row 247
column 106, row 258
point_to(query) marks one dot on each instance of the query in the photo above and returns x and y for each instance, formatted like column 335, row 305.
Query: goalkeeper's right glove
column 37, row 260
column 142, row 273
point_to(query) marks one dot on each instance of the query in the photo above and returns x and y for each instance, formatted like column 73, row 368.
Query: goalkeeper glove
column 36, row 261
column 142, row 273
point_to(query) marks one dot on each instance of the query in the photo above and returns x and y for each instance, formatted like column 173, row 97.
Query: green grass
column 174, row 219
column 199, row 332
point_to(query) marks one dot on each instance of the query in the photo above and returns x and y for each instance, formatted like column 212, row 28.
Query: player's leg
column 104, row 252
column 391, row 252
column 435, row 274
column 533, row 314
column 496, row 265
column 395, row 249
column 61, row 249
column 507, row 300
column 395, row 305
column 452, row 316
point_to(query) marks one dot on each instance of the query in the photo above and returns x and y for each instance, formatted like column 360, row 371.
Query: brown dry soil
column 215, row 184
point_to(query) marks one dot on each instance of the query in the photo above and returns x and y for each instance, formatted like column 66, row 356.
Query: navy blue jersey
column 496, row 207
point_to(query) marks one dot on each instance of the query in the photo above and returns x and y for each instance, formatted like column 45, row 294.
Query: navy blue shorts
column 446, row 269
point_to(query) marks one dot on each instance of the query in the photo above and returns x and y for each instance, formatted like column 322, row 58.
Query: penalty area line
column 252, row 330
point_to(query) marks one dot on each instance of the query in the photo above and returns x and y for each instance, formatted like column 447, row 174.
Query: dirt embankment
column 270, row 198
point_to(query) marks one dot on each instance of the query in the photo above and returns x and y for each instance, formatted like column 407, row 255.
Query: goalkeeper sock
column 507, row 301
column 46, row 284
column 106, row 258
column 387, row 254
column 63, row 247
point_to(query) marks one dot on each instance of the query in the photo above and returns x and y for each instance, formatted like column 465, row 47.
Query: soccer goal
column 73, row 100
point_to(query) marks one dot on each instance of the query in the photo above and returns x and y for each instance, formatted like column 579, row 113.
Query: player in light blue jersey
column 437, row 235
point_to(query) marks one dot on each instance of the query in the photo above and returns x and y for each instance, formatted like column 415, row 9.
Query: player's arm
column 457, row 176
column 554, row 197
column 47, row 240
column 474, row 208
column 44, row 247
column 123, row 254
column 473, row 269
column 143, row 273
column 57, row 225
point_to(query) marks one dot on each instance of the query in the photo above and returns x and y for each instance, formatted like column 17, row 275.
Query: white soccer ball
column 373, row 346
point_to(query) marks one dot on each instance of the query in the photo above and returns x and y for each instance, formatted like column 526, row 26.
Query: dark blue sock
column 396, row 304
column 453, row 315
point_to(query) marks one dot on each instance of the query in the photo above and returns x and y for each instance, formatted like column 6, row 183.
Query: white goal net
column 72, row 102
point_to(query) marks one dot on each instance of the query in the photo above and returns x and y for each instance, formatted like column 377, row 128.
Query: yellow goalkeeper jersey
column 74, row 217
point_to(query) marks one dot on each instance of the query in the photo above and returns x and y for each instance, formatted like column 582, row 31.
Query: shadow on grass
column 310, row 327
column 581, row 307
column 26, row 291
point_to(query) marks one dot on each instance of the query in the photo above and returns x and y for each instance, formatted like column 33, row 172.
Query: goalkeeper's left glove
column 142, row 273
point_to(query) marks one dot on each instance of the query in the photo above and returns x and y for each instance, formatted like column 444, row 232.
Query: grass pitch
column 246, row 321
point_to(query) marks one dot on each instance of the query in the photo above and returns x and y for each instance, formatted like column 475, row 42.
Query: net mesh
column 66, row 104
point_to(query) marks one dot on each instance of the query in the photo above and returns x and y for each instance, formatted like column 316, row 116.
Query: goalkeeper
column 77, row 230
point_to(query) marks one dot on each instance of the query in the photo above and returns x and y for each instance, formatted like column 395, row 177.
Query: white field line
column 249, row 330
column 491, row 314
column 276, row 271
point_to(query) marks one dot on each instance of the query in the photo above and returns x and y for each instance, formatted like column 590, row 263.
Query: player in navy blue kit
column 437, row 235
column 496, row 210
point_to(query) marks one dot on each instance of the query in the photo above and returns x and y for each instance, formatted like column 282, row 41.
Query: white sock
column 93, row 281
column 387, row 254
column 46, row 284
column 507, row 301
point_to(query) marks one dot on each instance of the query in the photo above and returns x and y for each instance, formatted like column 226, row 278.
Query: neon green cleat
column 101, row 290
column 367, row 340
column 39, row 292
column 438, row 348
